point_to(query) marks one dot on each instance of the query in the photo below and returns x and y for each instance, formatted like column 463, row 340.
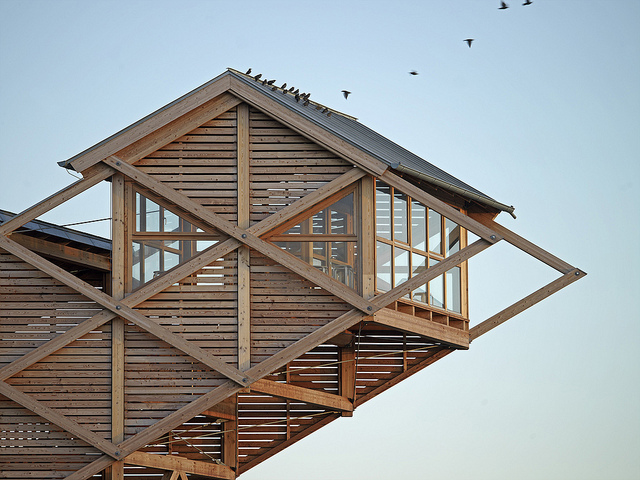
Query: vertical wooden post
column 244, row 194
column 368, row 237
column 118, row 278
column 348, row 374
column 230, row 439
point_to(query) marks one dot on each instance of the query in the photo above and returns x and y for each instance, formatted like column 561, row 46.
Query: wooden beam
column 91, row 469
column 100, row 173
column 307, row 395
column 151, row 123
column 530, row 300
column 524, row 244
column 347, row 375
column 307, row 128
column 423, row 327
column 244, row 269
column 368, row 237
column 120, row 308
column 174, row 475
column 291, row 262
column 172, row 131
column 174, row 462
column 63, row 422
column 230, row 436
column 63, row 252
column 438, row 205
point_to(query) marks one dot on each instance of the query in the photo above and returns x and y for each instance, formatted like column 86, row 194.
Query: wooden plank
column 63, row 252
column 296, row 265
column 293, row 392
column 307, row 128
column 150, row 124
column 426, row 328
column 230, row 436
column 100, row 173
column 438, row 205
column 527, row 302
column 60, row 420
column 314, row 238
column 174, row 462
column 368, row 237
column 119, row 308
column 524, row 244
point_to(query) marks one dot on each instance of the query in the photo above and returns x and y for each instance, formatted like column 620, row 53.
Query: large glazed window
column 410, row 238
column 327, row 239
column 161, row 240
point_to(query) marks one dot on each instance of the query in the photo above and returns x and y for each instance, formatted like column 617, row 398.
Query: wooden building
column 273, row 265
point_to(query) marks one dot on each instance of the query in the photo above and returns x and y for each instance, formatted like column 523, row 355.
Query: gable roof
column 342, row 126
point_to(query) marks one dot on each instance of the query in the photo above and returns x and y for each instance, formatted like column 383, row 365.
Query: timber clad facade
column 273, row 265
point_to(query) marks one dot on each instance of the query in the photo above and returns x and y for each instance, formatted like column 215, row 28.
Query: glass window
column 383, row 256
column 452, row 237
column 453, row 290
column 400, row 217
column 435, row 232
column 436, row 288
column 383, row 210
column 419, row 265
column 401, row 264
column 418, row 226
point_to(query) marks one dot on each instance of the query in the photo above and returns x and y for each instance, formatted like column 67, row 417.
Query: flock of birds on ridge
column 305, row 96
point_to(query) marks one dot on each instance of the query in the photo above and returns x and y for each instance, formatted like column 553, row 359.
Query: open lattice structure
column 273, row 265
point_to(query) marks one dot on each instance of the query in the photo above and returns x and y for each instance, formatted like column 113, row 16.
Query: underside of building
column 273, row 265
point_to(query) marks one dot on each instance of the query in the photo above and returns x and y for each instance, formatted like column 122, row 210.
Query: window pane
column 435, row 232
column 453, row 290
column 400, row 223
column 136, row 265
column 342, row 216
column 418, row 226
column 171, row 221
column 170, row 260
column 151, row 263
column 452, row 236
column 436, row 288
column 383, row 210
column 401, row 264
column 383, row 270
column 419, row 265
column 138, row 210
column 151, row 216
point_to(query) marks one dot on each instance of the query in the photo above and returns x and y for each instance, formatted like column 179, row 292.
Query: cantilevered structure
column 273, row 265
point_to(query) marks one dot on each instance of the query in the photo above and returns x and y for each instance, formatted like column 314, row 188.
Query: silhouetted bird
column 527, row 2
column 291, row 89
column 413, row 72
column 248, row 72
column 274, row 88
column 284, row 85
column 270, row 82
column 469, row 41
column 503, row 6
column 297, row 97
column 264, row 82
column 257, row 77
column 297, row 91
column 306, row 102
column 346, row 93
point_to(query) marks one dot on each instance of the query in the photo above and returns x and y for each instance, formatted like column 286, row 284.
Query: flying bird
column 248, row 72
column 503, row 6
column 527, row 2
column 346, row 93
column 469, row 41
column 413, row 72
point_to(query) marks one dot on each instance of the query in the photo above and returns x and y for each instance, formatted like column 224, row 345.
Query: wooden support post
column 244, row 272
column 118, row 279
column 348, row 375
column 230, row 439
column 368, row 238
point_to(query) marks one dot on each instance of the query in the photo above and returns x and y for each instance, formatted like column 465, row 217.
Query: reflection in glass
column 383, row 210
column 435, row 232
column 453, row 290
column 436, row 288
column 151, row 263
column 401, row 266
column 400, row 220
column 419, row 265
column 383, row 256
column 452, row 237
column 418, row 226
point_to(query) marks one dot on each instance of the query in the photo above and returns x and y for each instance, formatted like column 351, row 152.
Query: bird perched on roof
column 257, row 77
column 270, row 82
column 413, row 72
column 346, row 93
column 527, row 2
column 248, row 72
column 291, row 89
column 469, row 41
column 306, row 102
column 325, row 110
column 503, row 6
column 297, row 97
column 284, row 85
column 264, row 82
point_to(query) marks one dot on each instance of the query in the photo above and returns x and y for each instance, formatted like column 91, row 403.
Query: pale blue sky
column 543, row 112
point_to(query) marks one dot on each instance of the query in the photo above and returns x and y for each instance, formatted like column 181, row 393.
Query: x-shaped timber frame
column 489, row 232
